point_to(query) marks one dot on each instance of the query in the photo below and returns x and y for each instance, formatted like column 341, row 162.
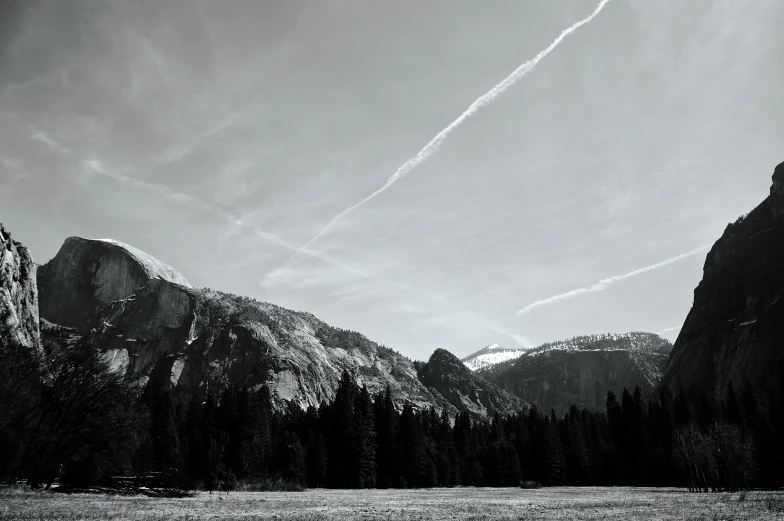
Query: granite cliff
column 581, row 370
column 735, row 329
column 18, row 295
column 87, row 275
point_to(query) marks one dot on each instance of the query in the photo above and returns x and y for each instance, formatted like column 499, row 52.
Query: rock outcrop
column 151, row 324
column 735, row 329
column 87, row 275
column 18, row 295
column 466, row 391
column 581, row 370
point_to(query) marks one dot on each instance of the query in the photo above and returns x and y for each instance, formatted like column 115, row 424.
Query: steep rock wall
column 18, row 294
column 86, row 275
column 735, row 329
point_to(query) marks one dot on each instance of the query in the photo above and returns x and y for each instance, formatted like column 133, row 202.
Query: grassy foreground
column 441, row 504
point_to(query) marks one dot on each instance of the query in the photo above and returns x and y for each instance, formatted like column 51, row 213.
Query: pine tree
column 733, row 410
column 316, row 461
column 682, row 410
column 364, row 443
column 554, row 458
column 294, row 463
column 194, row 464
column 386, row 420
column 577, row 461
column 163, row 440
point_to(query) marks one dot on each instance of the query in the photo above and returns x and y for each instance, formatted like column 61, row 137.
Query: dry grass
column 439, row 504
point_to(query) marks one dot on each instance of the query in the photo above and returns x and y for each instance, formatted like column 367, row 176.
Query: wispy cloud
column 43, row 137
column 669, row 330
column 606, row 283
column 432, row 147
column 96, row 167
column 233, row 183
column 425, row 306
column 13, row 166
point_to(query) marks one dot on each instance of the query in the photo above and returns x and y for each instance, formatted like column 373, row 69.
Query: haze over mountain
column 223, row 137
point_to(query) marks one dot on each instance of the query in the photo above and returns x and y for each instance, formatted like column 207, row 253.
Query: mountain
column 491, row 355
column 87, row 275
column 152, row 324
column 735, row 328
column 18, row 295
column 581, row 370
column 447, row 375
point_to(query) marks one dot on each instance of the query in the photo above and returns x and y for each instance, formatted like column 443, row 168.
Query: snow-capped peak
column 491, row 355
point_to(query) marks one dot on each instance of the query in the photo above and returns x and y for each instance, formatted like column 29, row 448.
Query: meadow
column 428, row 504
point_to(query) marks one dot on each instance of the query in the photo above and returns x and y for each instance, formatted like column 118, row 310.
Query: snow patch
column 176, row 370
column 488, row 359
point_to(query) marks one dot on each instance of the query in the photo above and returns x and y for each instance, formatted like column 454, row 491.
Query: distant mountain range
column 580, row 370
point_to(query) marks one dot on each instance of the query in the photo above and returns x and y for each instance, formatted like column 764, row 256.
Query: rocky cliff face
column 151, row 324
column 87, row 275
column 18, row 295
column 581, row 370
column 735, row 328
column 466, row 391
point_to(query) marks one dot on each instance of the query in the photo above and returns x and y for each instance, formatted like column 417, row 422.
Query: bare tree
column 717, row 459
column 79, row 410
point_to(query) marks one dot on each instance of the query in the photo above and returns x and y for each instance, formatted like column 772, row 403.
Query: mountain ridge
column 151, row 324
column 580, row 370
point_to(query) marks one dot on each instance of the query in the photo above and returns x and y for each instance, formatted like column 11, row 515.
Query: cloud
column 606, row 283
column 95, row 166
column 434, row 144
column 12, row 166
column 425, row 306
column 669, row 330
column 44, row 138
column 233, row 184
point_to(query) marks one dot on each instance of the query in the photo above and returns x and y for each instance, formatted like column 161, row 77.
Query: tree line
column 72, row 419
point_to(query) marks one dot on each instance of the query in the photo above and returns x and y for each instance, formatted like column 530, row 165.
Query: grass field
column 441, row 504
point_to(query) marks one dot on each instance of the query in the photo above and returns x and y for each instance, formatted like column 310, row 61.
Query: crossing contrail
column 436, row 142
column 609, row 281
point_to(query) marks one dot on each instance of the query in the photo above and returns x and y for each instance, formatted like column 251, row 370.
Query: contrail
column 609, row 281
column 436, row 142
column 669, row 330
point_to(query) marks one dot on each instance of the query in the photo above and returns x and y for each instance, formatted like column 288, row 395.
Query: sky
column 222, row 137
